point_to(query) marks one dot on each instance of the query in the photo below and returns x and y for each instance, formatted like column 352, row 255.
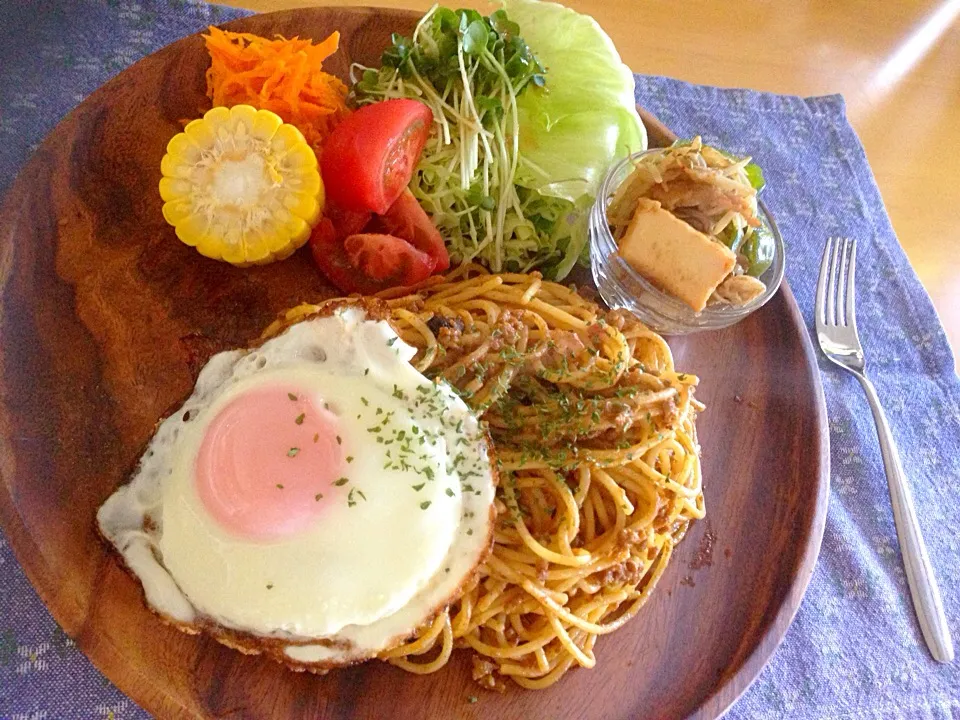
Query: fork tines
column 836, row 300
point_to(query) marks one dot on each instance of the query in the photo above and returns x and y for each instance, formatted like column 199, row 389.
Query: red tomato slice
column 367, row 263
column 345, row 222
column 406, row 219
column 370, row 156
column 331, row 258
column 326, row 245
column 389, row 259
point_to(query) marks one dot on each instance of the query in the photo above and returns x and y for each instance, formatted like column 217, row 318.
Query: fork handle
column 920, row 577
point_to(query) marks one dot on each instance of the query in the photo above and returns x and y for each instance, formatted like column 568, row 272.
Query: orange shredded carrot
column 281, row 75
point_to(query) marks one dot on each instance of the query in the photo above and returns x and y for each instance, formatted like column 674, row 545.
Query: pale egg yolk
column 267, row 461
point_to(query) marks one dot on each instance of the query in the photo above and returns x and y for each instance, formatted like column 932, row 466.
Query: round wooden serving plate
column 105, row 318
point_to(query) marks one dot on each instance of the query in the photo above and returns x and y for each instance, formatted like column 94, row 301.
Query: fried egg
column 315, row 497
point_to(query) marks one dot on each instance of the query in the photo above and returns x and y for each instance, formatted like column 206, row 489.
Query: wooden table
column 897, row 65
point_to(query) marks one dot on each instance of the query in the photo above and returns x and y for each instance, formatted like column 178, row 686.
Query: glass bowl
column 621, row 286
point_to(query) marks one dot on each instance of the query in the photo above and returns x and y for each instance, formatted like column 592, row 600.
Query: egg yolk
column 267, row 462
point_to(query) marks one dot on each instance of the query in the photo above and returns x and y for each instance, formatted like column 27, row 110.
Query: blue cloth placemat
column 854, row 650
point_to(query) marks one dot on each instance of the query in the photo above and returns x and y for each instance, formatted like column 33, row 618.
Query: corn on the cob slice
column 242, row 186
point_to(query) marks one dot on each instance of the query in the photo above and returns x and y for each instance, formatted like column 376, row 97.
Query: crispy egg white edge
column 130, row 518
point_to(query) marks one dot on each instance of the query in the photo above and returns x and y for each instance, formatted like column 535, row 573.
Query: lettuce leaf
column 585, row 119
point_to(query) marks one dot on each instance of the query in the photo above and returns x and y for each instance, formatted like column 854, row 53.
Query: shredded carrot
column 281, row 75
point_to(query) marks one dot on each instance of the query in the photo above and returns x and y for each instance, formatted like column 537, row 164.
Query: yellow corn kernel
column 241, row 186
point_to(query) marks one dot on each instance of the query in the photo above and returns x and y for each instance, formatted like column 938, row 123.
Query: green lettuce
column 585, row 119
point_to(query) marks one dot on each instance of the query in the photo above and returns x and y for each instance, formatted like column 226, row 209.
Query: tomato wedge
column 370, row 156
column 406, row 219
column 388, row 258
column 367, row 262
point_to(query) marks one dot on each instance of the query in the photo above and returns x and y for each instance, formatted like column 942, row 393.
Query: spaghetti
column 599, row 463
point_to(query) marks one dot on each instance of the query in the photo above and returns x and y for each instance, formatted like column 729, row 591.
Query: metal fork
column 837, row 332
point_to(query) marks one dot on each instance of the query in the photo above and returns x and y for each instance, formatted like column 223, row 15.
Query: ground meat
column 484, row 674
column 506, row 333
column 671, row 412
column 628, row 572
column 620, row 319
column 629, row 538
column 542, row 567
column 439, row 322
column 459, row 341
column 448, row 330
column 563, row 345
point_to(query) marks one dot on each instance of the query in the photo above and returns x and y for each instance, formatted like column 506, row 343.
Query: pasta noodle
column 599, row 467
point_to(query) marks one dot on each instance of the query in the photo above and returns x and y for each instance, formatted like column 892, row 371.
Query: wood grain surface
column 105, row 318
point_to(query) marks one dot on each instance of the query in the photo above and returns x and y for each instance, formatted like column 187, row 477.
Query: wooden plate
column 104, row 317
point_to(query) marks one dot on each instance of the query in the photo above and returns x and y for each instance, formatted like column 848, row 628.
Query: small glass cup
column 621, row 286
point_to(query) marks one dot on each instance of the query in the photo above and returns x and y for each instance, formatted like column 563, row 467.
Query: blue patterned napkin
column 854, row 650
